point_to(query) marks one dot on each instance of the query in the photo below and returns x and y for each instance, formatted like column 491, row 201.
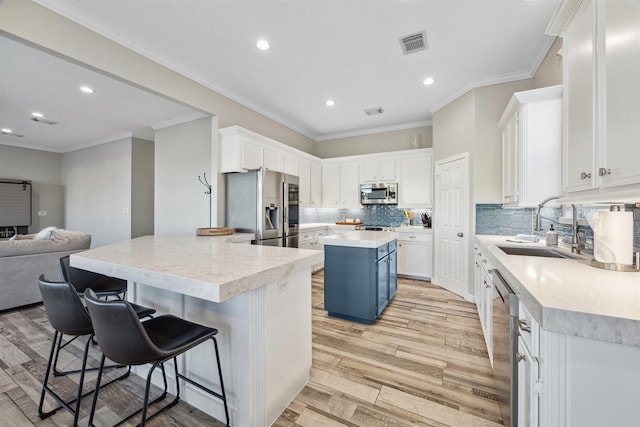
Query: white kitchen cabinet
column 272, row 159
column 310, row 239
column 331, row 185
column 349, row 185
column 304, row 171
column 531, row 147
column 290, row 164
column 484, row 294
column 415, row 182
column 415, row 254
column 377, row 169
column 528, row 358
column 601, row 143
column 316, row 184
column 239, row 154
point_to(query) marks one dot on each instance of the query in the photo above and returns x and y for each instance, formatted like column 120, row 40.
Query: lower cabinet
column 310, row 240
column 484, row 295
column 415, row 258
column 359, row 282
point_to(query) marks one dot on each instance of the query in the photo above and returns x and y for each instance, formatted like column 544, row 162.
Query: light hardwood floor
column 423, row 363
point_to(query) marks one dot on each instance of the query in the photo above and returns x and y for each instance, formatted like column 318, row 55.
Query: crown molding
column 391, row 128
column 178, row 121
column 112, row 138
column 31, row 147
column 567, row 10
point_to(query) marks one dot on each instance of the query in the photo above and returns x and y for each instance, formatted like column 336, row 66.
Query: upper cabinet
column 601, row 142
column 377, row 170
column 531, row 147
column 340, row 187
column 415, row 185
column 239, row 153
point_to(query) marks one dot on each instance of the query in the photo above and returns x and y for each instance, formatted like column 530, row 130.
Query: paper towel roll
column 613, row 237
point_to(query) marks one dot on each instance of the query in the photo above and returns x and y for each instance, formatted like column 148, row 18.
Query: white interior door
column 450, row 222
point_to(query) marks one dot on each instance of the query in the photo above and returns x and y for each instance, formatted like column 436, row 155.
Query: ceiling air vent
column 374, row 111
column 44, row 121
column 414, row 42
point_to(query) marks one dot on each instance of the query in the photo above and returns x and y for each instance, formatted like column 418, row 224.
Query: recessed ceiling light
column 38, row 115
column 263, row 44
column 87, row 89
column 330, row 103
column 428, row 81
column 6, row 130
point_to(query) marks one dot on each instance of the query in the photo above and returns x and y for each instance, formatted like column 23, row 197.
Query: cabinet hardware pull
column 585, row 175
column 461, row 234
column 604, row 171
column 484, row 260
column 524, row 326
column 520, row 357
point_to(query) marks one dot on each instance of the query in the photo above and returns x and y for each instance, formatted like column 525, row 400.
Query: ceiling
column 348, row 51
column 35, row 81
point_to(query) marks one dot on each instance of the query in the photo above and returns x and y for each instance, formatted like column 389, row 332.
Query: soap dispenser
column 552, row 237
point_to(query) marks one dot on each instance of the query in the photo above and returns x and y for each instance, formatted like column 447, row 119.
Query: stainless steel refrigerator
column 264, row 202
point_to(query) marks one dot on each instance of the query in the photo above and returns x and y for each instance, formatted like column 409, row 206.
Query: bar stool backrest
column 80, row 279
column 119, row 332
column 64, row 309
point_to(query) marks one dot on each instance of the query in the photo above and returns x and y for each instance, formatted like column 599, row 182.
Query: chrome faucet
column 538, row 215
column 576, row 246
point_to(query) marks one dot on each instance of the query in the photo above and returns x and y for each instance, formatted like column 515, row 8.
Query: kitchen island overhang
column 258, row 297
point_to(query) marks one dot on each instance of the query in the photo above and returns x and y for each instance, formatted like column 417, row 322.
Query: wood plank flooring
column 423, row 363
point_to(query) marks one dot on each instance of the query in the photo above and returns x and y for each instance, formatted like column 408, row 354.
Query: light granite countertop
column 359, row 239
column 212, row 268
column 569, row 296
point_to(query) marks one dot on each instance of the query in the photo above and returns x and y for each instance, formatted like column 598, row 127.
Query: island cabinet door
column 350, row 283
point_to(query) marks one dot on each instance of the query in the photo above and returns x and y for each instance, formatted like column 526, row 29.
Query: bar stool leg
column 224, row 395
column 44, row 415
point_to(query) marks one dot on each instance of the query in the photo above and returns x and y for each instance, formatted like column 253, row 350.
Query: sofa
column 25, row 257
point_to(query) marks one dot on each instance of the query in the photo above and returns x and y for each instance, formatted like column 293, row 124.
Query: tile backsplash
column 384, row 215
column 494, row 219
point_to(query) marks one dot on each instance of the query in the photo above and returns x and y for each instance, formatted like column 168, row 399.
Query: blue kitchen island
column 360, row 274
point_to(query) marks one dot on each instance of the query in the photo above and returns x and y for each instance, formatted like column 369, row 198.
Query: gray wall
column 98, row 191
column 142, row 187
column 182, row 153
column 375, row 143
column 44, row 169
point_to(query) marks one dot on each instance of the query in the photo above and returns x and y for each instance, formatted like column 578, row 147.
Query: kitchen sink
column 528, row 251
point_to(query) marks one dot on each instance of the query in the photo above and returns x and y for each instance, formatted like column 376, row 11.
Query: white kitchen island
column 258, row 297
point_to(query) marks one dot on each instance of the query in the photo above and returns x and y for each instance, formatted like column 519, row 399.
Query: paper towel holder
column 618, row 267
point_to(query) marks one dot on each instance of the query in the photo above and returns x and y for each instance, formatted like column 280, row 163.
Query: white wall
column 375, row 143
column 44, row 169
column 182, row 153
column 98, row 190
column 142, row 187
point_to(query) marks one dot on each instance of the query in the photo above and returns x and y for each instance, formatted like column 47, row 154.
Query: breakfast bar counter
column 258, row 297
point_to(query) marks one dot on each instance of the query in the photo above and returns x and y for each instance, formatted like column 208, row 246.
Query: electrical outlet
column 44, row 213
column 39, row 213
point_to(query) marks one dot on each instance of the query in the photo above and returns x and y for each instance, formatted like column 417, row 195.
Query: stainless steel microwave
column 383, row 193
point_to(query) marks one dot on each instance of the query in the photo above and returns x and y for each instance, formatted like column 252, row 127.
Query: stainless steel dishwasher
column 505, row 346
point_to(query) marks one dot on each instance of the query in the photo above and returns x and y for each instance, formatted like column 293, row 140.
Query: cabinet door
column 304, row 171
column 510, row 160
column 412, row 258
column 387, row 169
column 251, row 155
column 619, row 164
column 579, row 94
column 290, row 164
column 415, row 183
column 272, row 159
column 368, row 170
column 383, row 284
column 331, row 185
column 349, row 185
column 316, row 184
column 393, row 273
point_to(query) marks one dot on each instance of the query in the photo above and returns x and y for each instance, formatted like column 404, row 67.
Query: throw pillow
column 44, row 234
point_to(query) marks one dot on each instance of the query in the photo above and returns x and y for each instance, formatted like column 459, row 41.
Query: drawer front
column 382, row 251
column 307, row 235
column 392, row 245
column 414, row 237
column 319, row 233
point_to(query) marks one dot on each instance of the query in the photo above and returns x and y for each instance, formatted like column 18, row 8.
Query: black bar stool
column 126, row 340
column 68, row 316
column 103, row 286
